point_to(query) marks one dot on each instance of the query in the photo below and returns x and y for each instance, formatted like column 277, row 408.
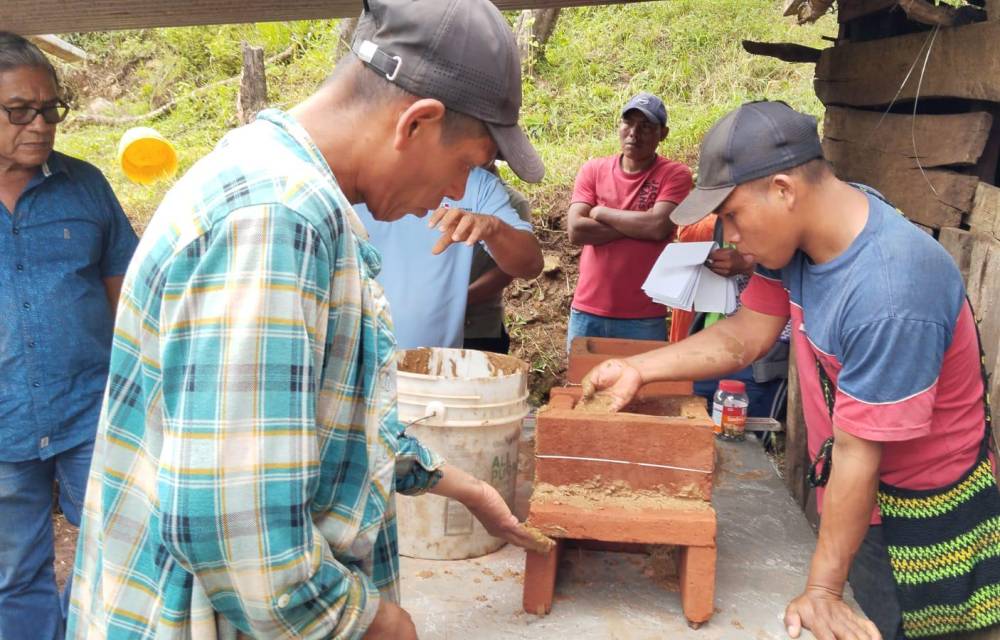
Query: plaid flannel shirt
column 248, row 449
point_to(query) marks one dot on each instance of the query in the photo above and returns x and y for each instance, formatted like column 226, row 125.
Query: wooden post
column 253, row 85
column 345, row 34
column 796, row 451
column 532, row 31
column 993, row 9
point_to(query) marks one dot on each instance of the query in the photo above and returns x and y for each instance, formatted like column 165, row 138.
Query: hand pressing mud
column 601, row 402
column 543, row 543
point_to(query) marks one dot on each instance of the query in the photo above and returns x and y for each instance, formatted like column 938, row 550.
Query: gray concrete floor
column 764, row 547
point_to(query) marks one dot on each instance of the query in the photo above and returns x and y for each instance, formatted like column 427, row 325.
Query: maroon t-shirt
column 611, row 275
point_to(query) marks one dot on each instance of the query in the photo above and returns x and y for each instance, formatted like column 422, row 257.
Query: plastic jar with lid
column 729, row 410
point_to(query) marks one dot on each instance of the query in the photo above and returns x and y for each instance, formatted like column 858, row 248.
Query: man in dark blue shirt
column 65, row 244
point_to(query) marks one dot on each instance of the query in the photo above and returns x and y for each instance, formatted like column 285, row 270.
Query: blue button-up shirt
column 67, row 233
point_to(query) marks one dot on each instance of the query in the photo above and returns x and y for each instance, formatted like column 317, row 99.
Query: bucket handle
column 433, row 409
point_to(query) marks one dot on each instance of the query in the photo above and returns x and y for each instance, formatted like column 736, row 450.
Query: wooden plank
column 985, row 215
column 59, row 48
column 905, row 186
column 796, row 450
column 984, row 291
column 958, row 242
column 937, row 140
column 58, row 16
column 993, row 9
column 851, row 9
column 964, row 62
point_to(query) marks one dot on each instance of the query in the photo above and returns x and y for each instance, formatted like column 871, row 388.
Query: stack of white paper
column 681, row 280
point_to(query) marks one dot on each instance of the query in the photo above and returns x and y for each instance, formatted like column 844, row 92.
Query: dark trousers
column 495, row 345
column 874, row 587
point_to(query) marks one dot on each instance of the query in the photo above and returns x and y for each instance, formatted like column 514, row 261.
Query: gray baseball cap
column 461, row 52
column 650, row 106
column 756, row 140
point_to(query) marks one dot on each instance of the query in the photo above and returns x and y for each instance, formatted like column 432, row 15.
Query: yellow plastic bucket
column 146, row 156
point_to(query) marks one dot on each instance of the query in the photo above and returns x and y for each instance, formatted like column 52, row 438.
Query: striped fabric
column 249, row 449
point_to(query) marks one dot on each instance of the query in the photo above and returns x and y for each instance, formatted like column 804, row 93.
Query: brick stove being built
column 642, row 476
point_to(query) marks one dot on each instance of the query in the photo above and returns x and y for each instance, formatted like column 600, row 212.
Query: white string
column 641, row 464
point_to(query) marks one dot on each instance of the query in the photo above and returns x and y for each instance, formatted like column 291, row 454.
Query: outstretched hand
column 494, row 514
column 828, row 617
column 616, row 379
column 459, row 225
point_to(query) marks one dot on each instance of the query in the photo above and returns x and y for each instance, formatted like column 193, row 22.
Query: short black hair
column 16, row 52
column 812, row 171
column 372, row 87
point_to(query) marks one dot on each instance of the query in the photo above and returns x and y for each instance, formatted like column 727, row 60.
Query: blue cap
column 650, row 106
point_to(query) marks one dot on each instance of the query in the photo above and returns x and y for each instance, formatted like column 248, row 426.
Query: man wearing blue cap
column 891, row 375
column 620, row 215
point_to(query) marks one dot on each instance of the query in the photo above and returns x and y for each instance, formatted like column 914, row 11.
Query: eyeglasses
column 51, row 114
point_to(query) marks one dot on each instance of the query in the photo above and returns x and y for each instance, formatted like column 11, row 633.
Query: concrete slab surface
column 764, row 545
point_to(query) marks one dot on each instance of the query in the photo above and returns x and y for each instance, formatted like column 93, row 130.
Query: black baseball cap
column 650, row 106
column 758, row 139
column 461, row 52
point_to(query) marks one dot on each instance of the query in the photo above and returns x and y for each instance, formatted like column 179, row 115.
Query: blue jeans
column 582, row 324
column 30, row 605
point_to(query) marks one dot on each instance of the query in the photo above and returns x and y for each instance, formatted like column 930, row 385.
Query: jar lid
column 733, row 386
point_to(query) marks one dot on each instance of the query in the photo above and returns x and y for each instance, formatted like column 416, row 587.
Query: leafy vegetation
column 686, row 51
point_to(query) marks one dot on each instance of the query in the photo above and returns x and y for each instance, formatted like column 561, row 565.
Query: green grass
column 686, row 51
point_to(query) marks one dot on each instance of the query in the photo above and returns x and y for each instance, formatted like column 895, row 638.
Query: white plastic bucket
column 467, row 406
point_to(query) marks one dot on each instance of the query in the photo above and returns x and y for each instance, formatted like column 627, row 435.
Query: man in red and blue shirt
column 620, row 215
column 875, row 302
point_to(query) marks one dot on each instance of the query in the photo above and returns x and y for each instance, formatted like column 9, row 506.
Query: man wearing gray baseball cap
column 889, row 368
column 249, row 448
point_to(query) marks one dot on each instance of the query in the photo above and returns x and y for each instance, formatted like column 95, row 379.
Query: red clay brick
column 696, row 570
column 540, row 579
column 646, row 403
column 587, row 353
column 678, row 526
column 673, row 455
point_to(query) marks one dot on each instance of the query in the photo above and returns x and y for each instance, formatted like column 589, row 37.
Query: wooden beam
column 958, row 242
column 985, row 215
column 964, row 62
column 905, row 186
column 785, row 51
column 851, row 9
column 796, row 449
column 938, row 139
column 984, row 292
column 941, row 15
column 59, row 16
column 59, row 48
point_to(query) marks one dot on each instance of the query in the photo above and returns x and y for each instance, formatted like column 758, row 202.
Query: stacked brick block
column 661, row 445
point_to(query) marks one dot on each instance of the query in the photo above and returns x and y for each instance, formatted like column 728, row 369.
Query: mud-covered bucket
column 467, row 406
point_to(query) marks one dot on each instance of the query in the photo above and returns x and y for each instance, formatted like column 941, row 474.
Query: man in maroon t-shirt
column 620, row 215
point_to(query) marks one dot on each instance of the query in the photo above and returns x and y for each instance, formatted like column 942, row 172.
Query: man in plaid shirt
column 249, row 448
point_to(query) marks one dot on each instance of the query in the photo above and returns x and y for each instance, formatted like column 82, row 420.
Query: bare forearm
column 727, row 346
column 586, row 230
column 488, row 286
column 516, row 253
column 640, row 225
column 847, row 508
column 458, row 485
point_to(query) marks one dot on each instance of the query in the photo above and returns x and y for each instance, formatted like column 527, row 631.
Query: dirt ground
column 65, row 542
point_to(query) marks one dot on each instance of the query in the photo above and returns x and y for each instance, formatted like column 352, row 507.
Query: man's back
column 234, row 380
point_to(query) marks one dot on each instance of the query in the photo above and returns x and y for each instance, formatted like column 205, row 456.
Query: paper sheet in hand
column 681, row 280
